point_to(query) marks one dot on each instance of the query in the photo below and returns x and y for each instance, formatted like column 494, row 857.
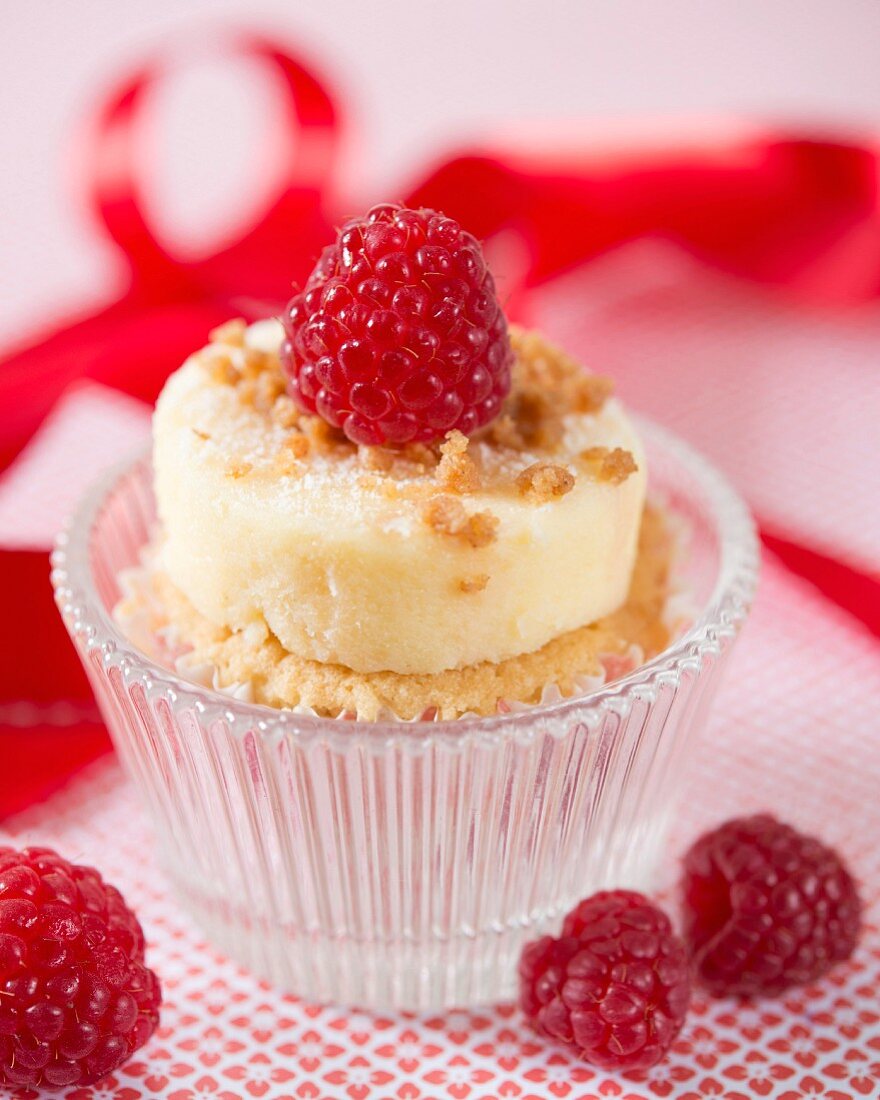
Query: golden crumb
column 201, row 434
column 269, row 387
column 537, row 416
column 285, row 465
column 457, row 472
column 421, row 454
column 473, row 584
column 321, row 435
column 284, row 411
column 246, row 389
column 543, row 481
column 221, row 369
column 613, row 466
column 254, row 363
column 482, row 529
column 594, row 456
column 547, row 385
column 297, row 445
column 231, row 333
column 412, row 489
column 546, row 368
column 447, row 516
column 379, row 459
column 409, row 462
column 238, row 468
column 396, row 488
column 540, row 418
column 260, row 383
column 455, row 443
column 505, row 433
column 591, row 393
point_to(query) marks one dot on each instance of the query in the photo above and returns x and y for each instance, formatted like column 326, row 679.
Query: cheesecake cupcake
column 391, row 507
column 391, row 503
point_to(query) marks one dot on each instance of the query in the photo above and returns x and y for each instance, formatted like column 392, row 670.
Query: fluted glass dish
column 404, row 865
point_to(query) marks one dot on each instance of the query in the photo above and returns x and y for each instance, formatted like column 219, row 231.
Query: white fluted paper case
column 404, row 865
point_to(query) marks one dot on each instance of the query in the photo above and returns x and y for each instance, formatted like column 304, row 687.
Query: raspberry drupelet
column 76, row 1000
column 766, row 908
column 398, row 335
column 615, row 985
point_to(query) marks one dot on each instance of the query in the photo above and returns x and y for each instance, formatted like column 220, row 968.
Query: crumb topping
column 323, row 439
column 609, row 465
column 422, row 454
column 545, row 481
column 285, row 412
column 455, row 443
column 549, row 373
column 548, row 386
column 260, row 390
column 298, row 445
column 238, row 468
column 473, row 584
column 230, row 332
column 505, row 433
column 413, row 460
column 222, row 370
column 457, row 472
column 378, row 459
column 447, row 516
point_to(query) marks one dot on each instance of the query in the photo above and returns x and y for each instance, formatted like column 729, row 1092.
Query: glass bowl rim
column 720, row 618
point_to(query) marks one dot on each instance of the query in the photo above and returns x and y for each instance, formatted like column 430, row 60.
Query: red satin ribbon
column 168, row 304
column 772, row 210
column 793, row 213
column 282, row 244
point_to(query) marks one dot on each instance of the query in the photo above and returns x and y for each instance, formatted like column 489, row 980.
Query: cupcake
column 389, row 632
column 391, row 505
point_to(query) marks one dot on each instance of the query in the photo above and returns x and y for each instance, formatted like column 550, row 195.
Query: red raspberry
column 766, row 908
column 615, row 984
column 76, row 999
column 398, row 334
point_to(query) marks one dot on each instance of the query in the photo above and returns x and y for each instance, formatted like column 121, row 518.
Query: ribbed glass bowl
column 404, row 865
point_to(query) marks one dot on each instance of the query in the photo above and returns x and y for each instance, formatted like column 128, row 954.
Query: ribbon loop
column 116, row 191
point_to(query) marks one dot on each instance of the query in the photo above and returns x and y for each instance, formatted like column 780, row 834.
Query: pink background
column 420, row 76
column 795, row 728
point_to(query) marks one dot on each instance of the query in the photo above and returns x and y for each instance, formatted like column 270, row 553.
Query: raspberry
column 615, row 984
column 76, row 1000
column 766, row 907
column 398, row 335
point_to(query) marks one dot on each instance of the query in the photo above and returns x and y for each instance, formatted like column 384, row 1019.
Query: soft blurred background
column 416, row 77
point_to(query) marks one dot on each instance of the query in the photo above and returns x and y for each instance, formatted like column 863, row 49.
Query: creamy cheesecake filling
column 252, row 665
column 351, row 557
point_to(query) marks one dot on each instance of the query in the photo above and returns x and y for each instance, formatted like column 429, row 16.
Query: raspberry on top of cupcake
column 398, row 335
column 389, row 486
